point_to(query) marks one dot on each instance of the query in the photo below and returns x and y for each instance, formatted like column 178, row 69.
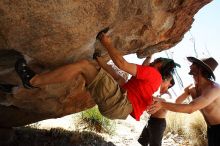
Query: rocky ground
column 126, row 134
column 65, row 131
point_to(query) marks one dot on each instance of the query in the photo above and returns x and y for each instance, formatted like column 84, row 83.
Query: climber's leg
column 65, row 73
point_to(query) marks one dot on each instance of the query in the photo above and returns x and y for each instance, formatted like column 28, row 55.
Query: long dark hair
column 168, row 66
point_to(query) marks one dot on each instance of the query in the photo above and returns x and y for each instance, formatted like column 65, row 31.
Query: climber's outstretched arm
column 117, row 58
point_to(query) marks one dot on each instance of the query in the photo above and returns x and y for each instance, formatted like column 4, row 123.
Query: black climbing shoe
column 24, row 72
column 7, row 88
column 100, row 34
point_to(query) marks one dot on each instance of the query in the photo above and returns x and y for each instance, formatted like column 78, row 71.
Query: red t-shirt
column 141, row 88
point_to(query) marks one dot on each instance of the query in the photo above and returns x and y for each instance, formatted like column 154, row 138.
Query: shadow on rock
column 27, row 136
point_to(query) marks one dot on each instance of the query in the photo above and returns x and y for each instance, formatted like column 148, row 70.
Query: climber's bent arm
column 117, row 58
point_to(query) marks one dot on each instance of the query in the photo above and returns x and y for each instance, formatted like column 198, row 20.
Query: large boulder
column 53, row 33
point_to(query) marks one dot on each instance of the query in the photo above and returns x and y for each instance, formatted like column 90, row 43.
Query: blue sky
column 205, row 32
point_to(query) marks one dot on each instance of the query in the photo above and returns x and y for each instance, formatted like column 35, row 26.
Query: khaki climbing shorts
column 112, row 103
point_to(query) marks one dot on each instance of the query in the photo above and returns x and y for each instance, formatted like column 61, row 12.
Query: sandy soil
column 126, row 134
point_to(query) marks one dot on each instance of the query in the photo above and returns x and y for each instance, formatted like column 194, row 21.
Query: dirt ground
column 65, row 132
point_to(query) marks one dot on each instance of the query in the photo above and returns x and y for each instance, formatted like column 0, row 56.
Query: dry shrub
column 176, row 123
column 197, row 131
column 190, row 126
column 93, row 120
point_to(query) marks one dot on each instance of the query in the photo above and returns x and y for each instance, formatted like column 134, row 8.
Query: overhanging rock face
column 54, row 33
